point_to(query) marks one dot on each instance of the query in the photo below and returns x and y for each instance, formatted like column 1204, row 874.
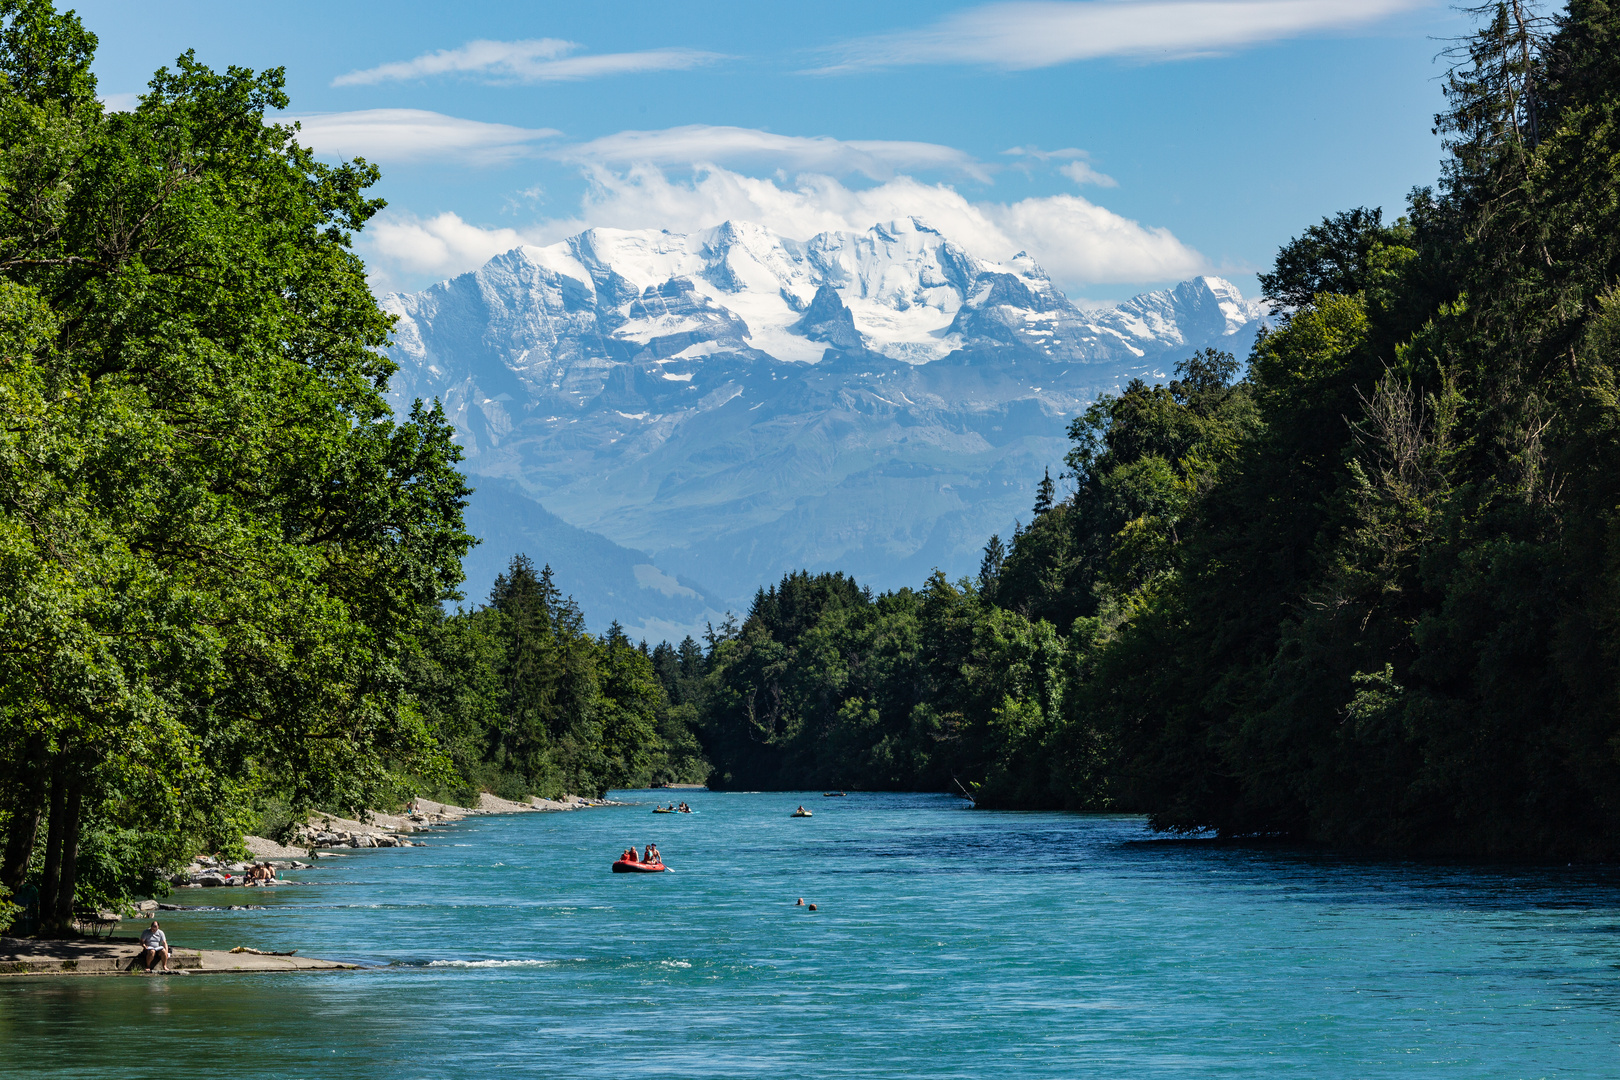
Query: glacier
column 729, row 404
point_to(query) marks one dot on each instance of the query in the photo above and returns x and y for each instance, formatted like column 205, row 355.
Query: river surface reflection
column 948, row 943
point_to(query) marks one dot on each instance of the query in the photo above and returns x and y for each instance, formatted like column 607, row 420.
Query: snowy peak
column 546, row 326
column 1203, row 310
column 828, row 320
column 738, row 403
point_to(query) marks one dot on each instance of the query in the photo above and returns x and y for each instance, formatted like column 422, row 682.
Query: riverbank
column 379, row 829
column 94, row 955
column 121, row 956
column 318, row 834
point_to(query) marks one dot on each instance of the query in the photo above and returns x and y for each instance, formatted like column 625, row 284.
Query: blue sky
column 1125, row 143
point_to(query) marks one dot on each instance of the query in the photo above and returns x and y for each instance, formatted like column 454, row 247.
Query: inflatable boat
column 625, row 866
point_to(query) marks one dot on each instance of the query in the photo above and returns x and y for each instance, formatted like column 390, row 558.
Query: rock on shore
column 27, row 956
column 260, row 848
column 378, row 830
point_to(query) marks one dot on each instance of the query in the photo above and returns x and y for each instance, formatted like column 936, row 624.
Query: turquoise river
column 948, row 943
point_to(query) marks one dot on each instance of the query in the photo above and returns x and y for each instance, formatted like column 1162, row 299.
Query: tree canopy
column 1359, row 590
column 215, row 537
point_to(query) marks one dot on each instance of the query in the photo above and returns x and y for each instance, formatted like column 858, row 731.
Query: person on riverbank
column 154, row 947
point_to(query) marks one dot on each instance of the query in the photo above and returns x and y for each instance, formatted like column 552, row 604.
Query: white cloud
column 404, row 247
column 1076, row 164
column 120, row 102
column 537, row 60
column 1041, row 33
column 707, row 144
column 1082, row 173
column 413, row 135
column 1076, row 241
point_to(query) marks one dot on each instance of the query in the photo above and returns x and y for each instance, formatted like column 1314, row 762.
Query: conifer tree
column 1045, row 492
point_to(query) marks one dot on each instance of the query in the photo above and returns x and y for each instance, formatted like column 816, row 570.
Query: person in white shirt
column 154, row 947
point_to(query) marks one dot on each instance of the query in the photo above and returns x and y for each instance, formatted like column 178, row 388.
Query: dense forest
column 1367, row 593
column 523, row 701
column 1360, row 587
column 223, row 560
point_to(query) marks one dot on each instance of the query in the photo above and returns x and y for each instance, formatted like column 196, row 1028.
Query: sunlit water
column 949, row 943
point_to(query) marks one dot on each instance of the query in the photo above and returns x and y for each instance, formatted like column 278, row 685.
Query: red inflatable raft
column 625, row 866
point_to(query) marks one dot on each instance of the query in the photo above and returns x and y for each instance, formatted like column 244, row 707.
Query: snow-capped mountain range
column 738, row 403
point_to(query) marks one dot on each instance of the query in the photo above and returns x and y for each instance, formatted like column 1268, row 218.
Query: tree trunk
column 67, row 889
column 25, row 816
column 52, row 877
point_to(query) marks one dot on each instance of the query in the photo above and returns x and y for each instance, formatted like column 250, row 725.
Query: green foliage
column 1368, row 594
column 1332, row 257
column 215, row 539
column 524, row 702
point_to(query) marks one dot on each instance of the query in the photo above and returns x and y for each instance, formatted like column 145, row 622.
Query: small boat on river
column 802, row 812
column 832, row 794
column 664, row 810
column 625, row 866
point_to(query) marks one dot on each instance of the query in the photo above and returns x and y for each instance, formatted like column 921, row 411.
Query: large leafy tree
column 214, row 536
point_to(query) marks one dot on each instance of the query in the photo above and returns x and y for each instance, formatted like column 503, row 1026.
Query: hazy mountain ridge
column 739, row 403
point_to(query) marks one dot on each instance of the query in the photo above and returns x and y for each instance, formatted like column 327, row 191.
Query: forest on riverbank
column 1368, row 593
column 223, row 559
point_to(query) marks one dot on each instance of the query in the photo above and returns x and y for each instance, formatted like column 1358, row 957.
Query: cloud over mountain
column 707, row 144
column 1079, row 242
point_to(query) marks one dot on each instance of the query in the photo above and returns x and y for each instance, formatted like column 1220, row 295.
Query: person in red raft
column 652, row 859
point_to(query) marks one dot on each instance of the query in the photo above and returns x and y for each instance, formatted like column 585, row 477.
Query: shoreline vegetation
column 1360, row 589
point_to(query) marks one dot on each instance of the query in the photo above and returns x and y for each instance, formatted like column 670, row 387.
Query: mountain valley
column 731, row 404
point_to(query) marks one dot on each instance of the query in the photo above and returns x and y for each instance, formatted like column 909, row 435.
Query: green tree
column 216, row 539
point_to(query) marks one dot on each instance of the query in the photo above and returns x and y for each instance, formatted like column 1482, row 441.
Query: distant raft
column 625, row 866
column 802, row 813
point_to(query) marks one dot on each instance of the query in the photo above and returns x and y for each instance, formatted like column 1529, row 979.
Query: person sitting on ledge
column 154, row 947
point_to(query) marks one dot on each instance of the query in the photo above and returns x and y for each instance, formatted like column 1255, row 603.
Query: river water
column 948, row 943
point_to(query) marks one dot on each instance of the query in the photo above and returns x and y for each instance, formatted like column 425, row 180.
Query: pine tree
column 995, row 553
column 1044, row 494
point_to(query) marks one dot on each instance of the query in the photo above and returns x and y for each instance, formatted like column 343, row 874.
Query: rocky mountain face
column 731, row 404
